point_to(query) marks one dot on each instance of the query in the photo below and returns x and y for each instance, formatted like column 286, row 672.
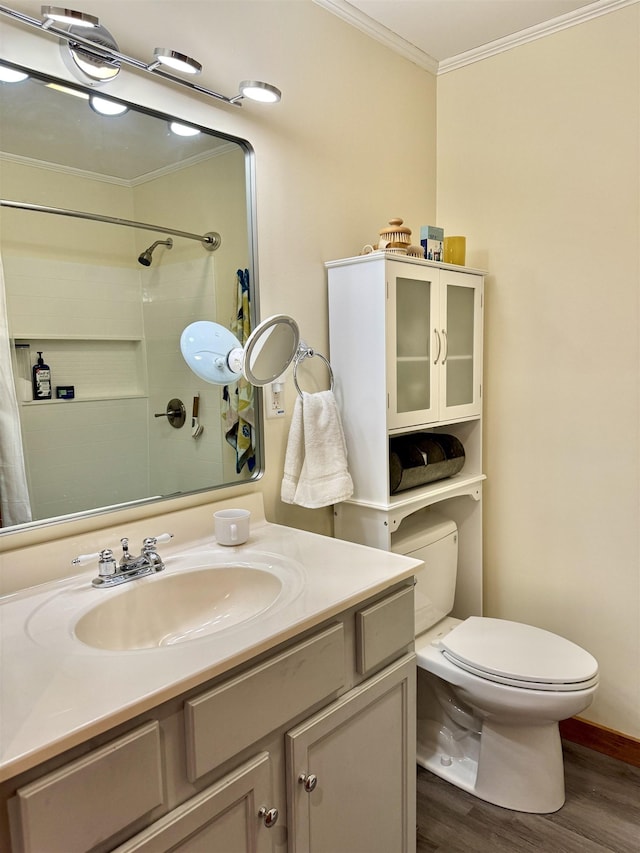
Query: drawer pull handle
column 269, row 816
column 308, row 782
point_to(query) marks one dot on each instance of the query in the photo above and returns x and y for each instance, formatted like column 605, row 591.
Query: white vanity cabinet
column 219, row 767
column 406, row 347
column 350, row 788
column 228, row 816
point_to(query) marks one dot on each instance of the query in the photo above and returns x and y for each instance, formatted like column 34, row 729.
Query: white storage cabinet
column 406, row 345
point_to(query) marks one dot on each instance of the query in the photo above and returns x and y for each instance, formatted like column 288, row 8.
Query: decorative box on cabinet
column 406, row 346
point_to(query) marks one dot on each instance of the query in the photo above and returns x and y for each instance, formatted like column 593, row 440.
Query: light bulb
column 60, row 15
column 183, row 129
column 177, row 61
column 107, row 107
column 257, row 91
column 11, row 75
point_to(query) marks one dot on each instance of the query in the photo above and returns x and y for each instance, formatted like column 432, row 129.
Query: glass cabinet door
column 461, row 313
column 434, row 345
column 413, row 308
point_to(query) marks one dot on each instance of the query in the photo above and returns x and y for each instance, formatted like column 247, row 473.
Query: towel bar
column 305, row 351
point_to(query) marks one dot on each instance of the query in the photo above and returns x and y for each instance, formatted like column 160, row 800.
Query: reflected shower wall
column 111, row 328
column 87, row 320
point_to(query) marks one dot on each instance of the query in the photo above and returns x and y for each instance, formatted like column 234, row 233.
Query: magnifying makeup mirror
column 217, row 356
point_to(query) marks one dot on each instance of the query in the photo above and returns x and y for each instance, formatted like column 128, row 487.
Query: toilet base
column 516, row 767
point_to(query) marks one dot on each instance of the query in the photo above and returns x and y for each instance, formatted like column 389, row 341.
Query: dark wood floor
column 601, row 813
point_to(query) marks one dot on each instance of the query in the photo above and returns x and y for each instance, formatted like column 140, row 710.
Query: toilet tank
column 433, row 539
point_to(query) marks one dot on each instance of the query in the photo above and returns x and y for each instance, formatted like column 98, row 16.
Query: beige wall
column 538, row 164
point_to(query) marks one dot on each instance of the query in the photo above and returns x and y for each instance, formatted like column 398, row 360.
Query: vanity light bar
column 102, row 51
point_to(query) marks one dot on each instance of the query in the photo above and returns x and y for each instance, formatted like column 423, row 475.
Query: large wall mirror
column 107, row 317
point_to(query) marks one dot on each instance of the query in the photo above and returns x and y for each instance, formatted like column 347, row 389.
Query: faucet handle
column 83, row 559
column 106, row 563
column 152, row 541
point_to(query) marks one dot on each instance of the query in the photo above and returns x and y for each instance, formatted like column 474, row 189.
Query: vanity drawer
column 87, row 801
column 384, row 630
column 227, row 719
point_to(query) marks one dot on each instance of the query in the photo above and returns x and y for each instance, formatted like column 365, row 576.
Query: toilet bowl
column 490, row 692
column 505, row 745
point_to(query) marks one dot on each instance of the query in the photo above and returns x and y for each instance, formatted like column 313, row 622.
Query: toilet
column 490, row 692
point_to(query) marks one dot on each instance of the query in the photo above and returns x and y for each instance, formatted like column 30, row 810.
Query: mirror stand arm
column 235, row 359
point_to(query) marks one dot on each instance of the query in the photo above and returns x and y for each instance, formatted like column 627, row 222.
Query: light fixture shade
column 107, row 107
column 258, row 91
column 60, row 15
column 93, row 68
column 177, row 61
column 11, row 75
column 183, row 129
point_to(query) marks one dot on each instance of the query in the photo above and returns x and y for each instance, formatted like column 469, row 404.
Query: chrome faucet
column 112, row 573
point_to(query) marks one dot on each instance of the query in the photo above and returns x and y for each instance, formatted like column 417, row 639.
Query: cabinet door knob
column 308, row 782
column 446, row 346
column 269, row 816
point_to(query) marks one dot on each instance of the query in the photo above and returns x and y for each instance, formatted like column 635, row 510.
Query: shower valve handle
column 175, row 413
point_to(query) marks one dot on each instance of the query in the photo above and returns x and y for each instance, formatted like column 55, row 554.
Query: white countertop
column 56, row 692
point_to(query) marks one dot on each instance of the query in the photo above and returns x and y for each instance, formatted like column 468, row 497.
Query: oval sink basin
column 175, row 608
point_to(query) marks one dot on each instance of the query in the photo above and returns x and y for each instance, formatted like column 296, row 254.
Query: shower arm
column 211, row 240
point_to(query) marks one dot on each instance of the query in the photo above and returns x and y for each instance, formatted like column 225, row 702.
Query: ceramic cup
column 231, row 526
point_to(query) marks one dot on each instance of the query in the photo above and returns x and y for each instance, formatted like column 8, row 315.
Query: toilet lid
column 519, row 655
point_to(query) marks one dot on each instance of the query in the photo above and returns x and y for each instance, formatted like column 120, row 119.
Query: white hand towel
column 315, row 466
column 294, row 456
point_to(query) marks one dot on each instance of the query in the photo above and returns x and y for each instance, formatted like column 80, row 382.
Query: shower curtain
column 15, row 507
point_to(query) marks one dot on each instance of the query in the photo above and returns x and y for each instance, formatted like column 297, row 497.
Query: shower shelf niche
column 98, row 367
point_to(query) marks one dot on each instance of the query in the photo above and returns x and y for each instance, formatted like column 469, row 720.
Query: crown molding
column 362, row 22
column 372, row 28
column 110, row 179
column 555, row 25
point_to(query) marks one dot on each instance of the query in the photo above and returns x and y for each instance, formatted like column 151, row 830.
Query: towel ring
column 308, row 352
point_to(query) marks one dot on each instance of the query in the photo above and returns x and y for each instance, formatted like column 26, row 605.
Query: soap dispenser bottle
column 41, row 379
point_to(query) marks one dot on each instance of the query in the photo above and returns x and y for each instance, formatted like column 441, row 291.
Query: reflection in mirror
column 270, row 349
column 217, row 356
column 108, row 325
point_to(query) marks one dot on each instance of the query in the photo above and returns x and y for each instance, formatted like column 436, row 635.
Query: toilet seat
column 519, row 655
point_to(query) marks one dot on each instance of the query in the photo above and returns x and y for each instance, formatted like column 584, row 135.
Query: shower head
column 145, row 257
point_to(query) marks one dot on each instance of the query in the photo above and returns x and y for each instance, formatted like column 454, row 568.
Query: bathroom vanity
column 292, row 729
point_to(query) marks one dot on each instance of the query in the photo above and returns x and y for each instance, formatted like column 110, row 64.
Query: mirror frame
column 169, row 502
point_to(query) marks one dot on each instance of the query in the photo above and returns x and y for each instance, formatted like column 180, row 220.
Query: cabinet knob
column 269, row 816
column 308, row 782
